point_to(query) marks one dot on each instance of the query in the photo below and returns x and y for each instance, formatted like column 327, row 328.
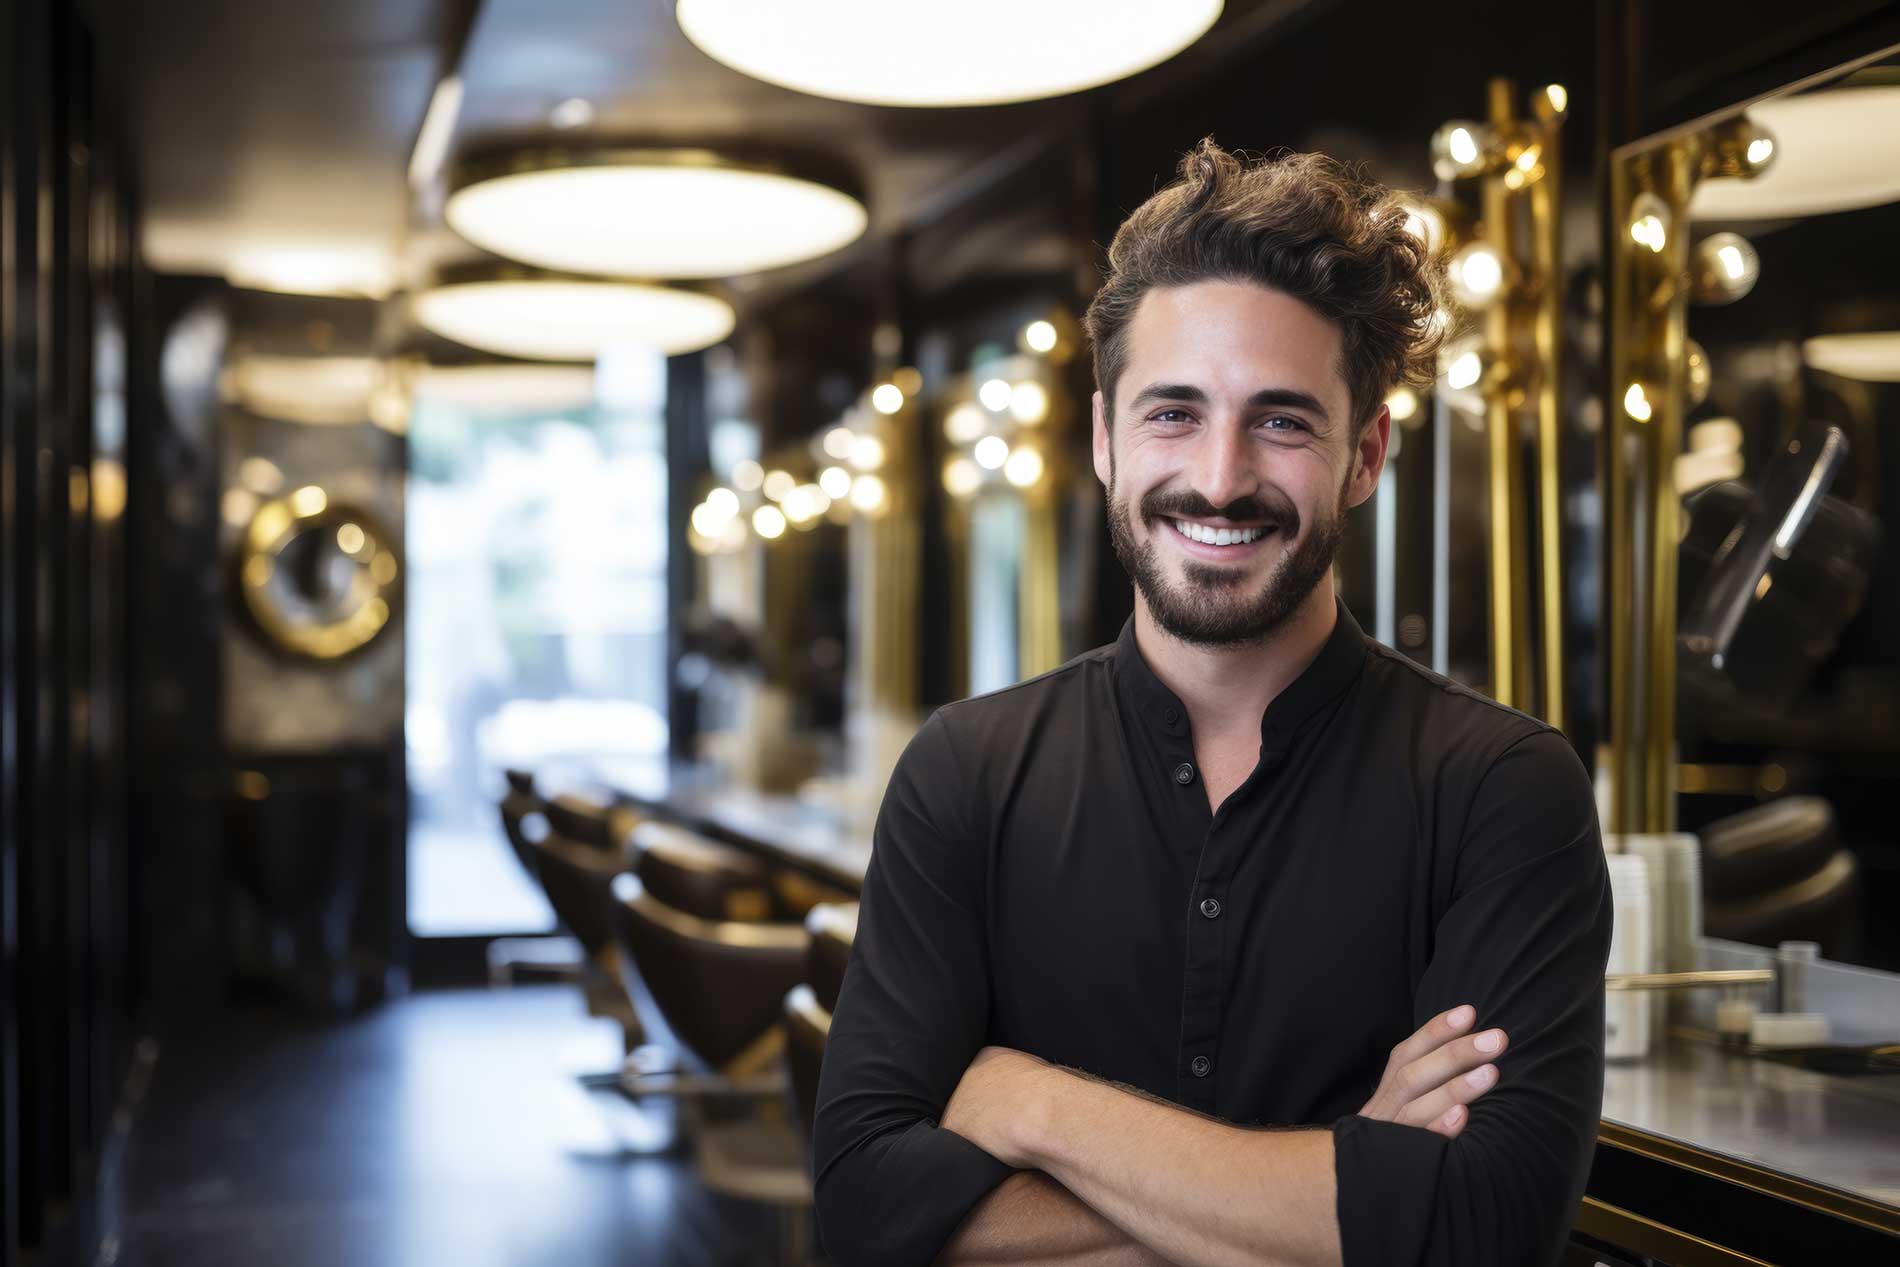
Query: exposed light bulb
column 995, row 394
column 835, row 481
column 1636, row 403
column 962, row 477
column 1039, row 336
column 1023, row 468
column 991, row 452
column 888, row 398
column 768, row 522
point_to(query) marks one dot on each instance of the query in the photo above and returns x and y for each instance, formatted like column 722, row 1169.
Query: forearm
column 1032, row 1219
column 1192, row 1189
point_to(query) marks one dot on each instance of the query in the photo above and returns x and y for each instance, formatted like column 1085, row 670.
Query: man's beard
column 1208, row 608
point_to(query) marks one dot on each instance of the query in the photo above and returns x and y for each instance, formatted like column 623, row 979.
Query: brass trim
column 1628, row 1230
column 279, row 522
column 489, row 269
column 1771, row 1183
column 496, row 163
column 1687, row 980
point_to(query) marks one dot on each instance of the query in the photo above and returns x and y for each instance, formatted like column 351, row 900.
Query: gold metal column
column 1510, row 615
column 885, row 554
column 1650, row 188
column 1547, row 339
column 1038, row 588
column 1510, row 275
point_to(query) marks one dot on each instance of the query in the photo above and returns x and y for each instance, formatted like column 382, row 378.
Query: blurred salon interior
column 488, row 488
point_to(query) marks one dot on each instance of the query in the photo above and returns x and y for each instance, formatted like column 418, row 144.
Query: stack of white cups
column 1626, row 1013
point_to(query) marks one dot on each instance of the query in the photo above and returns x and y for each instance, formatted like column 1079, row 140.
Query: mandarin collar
column 1340, row 658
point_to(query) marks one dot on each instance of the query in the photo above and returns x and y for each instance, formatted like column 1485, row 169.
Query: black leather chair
column 720, row 985
column 809, row 1005
column 588, row 844
column 689, row 873
column 522, row 817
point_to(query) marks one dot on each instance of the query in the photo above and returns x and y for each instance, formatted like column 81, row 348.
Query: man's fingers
column 1434, row 1034
column 1439, row 1067
column 1450, row 1123
column 1430, row 1110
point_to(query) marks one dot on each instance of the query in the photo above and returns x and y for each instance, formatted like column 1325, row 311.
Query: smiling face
column 1231, row 459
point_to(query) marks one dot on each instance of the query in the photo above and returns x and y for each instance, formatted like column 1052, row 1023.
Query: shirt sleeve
column 892, row 1185
column 1524, row 939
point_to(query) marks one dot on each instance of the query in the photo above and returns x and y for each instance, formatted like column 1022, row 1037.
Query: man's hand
column 1435, row 1073
column 991, row 1099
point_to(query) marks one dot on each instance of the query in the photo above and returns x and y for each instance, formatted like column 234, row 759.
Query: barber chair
column 809, row 1005
column 586, row 846
column 720, row 983
column 519, row 806
column 1776, row 873
column 524, row 822
column 697, row 876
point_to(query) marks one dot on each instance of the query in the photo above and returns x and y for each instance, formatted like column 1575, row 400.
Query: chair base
column 510, row 959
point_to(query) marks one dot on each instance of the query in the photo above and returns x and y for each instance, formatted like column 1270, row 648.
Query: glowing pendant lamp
column 678, row 213
column 551, row 317
column 943, row 52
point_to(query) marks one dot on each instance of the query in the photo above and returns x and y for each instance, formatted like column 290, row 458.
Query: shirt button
column 1172, row 716
column 1201, row 1065
column 1211, row 908
column 1184, row 774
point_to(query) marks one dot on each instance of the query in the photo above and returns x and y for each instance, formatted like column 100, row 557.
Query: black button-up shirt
column 1047, row 875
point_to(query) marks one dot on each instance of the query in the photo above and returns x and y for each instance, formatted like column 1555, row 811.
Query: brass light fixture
column 651, row 212
column 1656, row 372
column 1505, row 274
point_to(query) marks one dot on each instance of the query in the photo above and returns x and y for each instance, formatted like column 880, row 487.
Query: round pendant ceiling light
column 683, row 213
column 938, row 53
column 547, row 317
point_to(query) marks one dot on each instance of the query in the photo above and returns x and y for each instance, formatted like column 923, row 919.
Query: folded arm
column 1525, row 937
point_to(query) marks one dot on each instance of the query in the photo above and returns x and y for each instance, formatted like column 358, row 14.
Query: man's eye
column 1279, row 422
column 1170, row 415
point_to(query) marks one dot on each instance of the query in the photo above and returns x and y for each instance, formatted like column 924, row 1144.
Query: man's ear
column 1099, row 441
column 1368, row 456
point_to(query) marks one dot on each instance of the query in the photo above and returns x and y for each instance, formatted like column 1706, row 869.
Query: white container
column 1675, row 909
column 1626, row 1013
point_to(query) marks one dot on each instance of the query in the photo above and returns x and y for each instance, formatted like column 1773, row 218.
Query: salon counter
column 1752, row 1159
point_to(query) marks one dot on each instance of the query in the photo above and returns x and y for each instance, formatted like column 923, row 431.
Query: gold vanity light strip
column 1783, row 1187
column 1631, row 1231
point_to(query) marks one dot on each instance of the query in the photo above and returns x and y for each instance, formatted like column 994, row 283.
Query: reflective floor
column 443, row 1128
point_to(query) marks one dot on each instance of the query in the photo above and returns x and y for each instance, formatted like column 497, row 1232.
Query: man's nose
column 1224, row 468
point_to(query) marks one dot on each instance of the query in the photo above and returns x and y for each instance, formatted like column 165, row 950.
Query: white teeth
column 1216, row 536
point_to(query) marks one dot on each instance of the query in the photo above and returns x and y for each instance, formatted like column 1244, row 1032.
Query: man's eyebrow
column 1154, row 393
column 1265, row 398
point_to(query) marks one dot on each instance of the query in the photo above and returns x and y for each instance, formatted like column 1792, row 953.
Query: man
column 1244, row 939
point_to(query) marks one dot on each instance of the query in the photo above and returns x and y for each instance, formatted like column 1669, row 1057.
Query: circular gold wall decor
column 319, row 578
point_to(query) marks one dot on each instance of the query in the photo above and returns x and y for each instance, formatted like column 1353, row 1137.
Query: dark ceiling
column 289, row 128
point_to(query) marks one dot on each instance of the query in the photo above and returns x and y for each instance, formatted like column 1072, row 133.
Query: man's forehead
column 1230, row 337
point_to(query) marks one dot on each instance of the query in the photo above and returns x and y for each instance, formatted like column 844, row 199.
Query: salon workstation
column 621, row 629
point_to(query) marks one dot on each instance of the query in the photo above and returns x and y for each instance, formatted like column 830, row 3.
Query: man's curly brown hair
column 1302, row 224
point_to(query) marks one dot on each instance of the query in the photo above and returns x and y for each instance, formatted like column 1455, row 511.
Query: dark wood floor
column 444, row 1128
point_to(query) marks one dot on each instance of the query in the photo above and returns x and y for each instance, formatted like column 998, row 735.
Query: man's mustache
column 1187, row 504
